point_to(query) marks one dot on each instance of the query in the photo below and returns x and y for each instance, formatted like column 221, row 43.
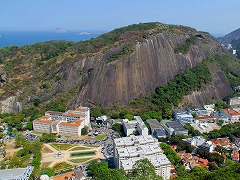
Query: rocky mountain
column 227, row 39
column 115, row 68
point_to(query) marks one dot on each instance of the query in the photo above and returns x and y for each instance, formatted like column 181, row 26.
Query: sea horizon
column 21, row 38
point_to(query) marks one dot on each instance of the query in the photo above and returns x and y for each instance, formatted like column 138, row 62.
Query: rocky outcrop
column 11, row 105
column 152, row 62
column 3, row 76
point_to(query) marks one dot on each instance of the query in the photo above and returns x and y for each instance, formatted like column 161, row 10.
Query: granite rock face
column 152, row 62
column 11, row 105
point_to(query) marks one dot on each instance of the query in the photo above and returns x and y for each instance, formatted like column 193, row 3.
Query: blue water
column 25, row 38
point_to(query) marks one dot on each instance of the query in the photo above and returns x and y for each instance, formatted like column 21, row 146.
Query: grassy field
column 91, row 161
column 62, row 166
column 80, row 148
column 80, row 160
column 100, row 137
column 62, row 146
column 80, row 154
column 91, row 146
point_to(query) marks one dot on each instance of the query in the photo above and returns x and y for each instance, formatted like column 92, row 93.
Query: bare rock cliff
column 152, row 62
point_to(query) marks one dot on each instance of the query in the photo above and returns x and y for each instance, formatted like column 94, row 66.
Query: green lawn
column 62, row 146
column 91, row 161
column 62, row 166
column 80, row 154
column 100, row 137
column 80, row 148
column 80, row 160
column 91, row 146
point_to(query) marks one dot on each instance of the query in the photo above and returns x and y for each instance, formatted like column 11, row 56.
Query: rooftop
column 231, row 112
column 16, row 173
column 154, row 124
column 176, row 126
column 75, row 124
column 63, row 176
column 130, row 141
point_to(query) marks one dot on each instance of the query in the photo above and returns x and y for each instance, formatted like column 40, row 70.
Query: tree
column 220, row 122
column 47, row 137
column 143, row 169
column 220, row 149
column 96, row 111
column 18, row 140
column 101, row 171
column 85, row 130
column 48, row 171
column 28, row 126
column 128, row 116
column 37, row 102
column 10, row 129
column 117, row 127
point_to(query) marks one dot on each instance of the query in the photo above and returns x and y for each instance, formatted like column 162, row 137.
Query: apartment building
column 71, row 129
column 134, row 126
column 232, row 115
column 45, row 124
column 128, row 150
column 68, row 123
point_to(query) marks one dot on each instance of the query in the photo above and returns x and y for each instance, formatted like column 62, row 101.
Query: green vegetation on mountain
column 169, row 95
column 230, row 66
column 126, row 50
column 185, row 47
column 236, row 45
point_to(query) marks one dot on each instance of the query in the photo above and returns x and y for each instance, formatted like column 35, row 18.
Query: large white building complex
column 68, row 123
column 128, row 150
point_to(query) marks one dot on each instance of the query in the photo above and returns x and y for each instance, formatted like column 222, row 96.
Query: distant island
column 60, row 30
column 84, row 33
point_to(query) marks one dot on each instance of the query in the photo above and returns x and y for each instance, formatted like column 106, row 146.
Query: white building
column 232, row 115
column 195, row 141
column 68, row 123
column 128, row 150
column 133, row 126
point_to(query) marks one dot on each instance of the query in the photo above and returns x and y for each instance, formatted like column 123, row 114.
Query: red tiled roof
column 205, row 117
column 43, row 121
column 75, row 124
column 204, row 161
column 73, row 114
column 63, row 176
column 231, row 112
column 81, row 109
column 235, row 155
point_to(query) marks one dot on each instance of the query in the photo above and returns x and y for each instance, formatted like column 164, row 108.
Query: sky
column 218, row 17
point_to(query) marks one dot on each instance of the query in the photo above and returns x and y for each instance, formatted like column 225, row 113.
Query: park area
column 62, row 157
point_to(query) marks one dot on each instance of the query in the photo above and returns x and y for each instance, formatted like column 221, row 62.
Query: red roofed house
column 231, row 114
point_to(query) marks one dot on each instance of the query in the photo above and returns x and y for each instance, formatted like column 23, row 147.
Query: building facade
column 69, row 123
column 128, row 150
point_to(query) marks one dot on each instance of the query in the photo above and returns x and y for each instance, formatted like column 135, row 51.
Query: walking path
column 54, row 156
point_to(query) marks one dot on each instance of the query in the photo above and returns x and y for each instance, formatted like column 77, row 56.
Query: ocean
column 20, row 38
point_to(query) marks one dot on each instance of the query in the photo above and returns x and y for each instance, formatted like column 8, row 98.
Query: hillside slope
column 114, row 68
column 227, row 39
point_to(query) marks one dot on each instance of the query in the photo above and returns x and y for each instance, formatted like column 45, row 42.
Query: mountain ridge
column 100, row 71
column 227, row 39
